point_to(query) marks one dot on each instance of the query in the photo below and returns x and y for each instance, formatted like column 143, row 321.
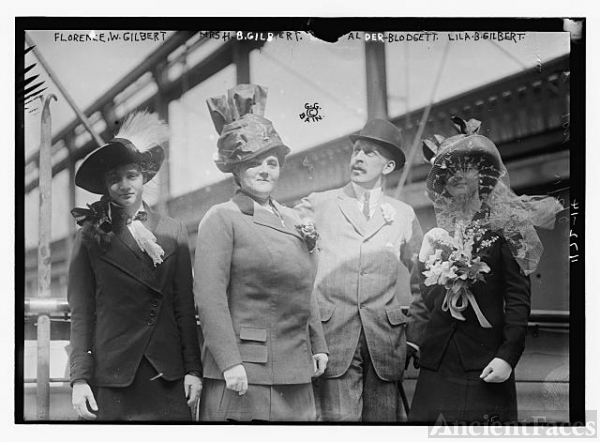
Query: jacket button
column 153, row 312
column 150, row 322
column 362, row 306
column 154, row 303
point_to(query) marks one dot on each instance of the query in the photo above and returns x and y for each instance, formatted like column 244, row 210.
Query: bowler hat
column 385, row 134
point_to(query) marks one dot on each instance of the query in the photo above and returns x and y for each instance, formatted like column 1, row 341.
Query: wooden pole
column 161, row 106
column 241, row 58
column 376, row 80
column 44, row 262
column 415, row 145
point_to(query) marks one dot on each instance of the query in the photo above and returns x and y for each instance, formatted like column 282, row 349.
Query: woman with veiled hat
column 476, row 285
column 253, row 278
column 134, row 341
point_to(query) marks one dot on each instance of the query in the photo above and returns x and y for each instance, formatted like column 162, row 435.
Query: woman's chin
column 261, row 194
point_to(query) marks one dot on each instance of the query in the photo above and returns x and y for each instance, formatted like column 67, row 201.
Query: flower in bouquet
column 309, row 234
column 456, row 264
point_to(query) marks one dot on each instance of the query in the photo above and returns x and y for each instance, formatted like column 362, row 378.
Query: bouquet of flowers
column 309, row 234
column 456, row 264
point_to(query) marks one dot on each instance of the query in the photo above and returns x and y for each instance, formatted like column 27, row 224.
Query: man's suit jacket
column 253, row 287
column 364, row 275
column 504, row 299
column 124, row 308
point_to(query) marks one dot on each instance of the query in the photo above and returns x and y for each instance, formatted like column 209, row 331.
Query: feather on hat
column 138, row 141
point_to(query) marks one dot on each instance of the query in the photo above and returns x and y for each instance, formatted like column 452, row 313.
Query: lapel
column 349, row 207
column 126, row 255
column 265, row 218
column 121, row 231
column 376, row 222
column 164, row 237
column 123, row 255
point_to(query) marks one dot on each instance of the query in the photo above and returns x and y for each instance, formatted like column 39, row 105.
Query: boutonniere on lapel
column 96, row 213
column 95, row 221
column 308, row 232
column 388, row 213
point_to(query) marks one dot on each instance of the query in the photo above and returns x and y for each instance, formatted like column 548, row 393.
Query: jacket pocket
column 253, row 334
column 326, row 312
column 254, row 352
column 253, row 347
column 396, row 316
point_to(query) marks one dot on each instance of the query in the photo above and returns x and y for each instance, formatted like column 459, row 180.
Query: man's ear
column 389, row 167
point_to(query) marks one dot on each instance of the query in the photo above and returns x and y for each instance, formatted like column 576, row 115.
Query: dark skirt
column 144, row 399
column 457, row 395
column 260, row 403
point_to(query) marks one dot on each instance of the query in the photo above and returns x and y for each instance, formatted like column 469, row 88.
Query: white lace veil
column 494, row 204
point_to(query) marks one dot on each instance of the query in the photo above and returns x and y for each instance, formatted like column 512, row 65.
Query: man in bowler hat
column 368, row 246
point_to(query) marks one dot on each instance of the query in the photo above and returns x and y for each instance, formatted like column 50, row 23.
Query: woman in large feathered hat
column 475, row 268
column 134, row 346
column 263, row 339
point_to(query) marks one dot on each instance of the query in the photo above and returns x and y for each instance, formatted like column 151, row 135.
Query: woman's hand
column 193, row 386
column 320, row 363
column 429, row 240
column 82, row 395
column 236, row 379
column 498, row 370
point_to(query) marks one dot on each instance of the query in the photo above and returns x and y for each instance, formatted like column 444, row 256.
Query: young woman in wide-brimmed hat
column 475, row 268
column 263, row 340
column 134, row 341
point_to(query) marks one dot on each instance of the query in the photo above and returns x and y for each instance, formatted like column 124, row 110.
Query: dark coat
column 123, row 308
column 504, row 299
column 253, row 288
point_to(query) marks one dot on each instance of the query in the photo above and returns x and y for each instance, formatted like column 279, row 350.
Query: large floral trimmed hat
column 468, row 149
column 138, row 141
column 244, row 133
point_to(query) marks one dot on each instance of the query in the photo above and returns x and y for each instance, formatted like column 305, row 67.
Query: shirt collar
column 360, row 192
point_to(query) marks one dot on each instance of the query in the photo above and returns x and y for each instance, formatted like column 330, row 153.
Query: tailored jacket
column 364, row 276
column 253, row 289
column 504, row 298
column 123, row 308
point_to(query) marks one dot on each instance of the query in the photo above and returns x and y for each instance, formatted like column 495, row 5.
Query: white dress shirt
column 374, row 197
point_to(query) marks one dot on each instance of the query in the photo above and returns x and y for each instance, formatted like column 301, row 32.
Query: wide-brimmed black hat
column 466, row 148
column 385, row 134
column 137, row 142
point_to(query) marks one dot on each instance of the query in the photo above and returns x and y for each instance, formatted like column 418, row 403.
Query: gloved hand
column 412, row 353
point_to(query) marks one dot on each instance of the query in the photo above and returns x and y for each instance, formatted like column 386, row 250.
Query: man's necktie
column 367, row 205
